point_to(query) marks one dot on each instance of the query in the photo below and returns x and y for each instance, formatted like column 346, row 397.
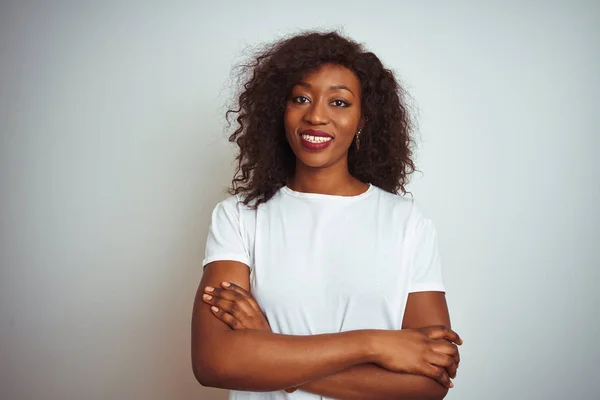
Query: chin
column 317, row 160
column 314, row 162
column 317, row 165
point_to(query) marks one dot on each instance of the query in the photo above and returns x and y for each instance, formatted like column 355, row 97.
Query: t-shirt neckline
column 320, row 196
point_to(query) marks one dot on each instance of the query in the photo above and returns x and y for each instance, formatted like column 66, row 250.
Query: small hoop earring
column 358, row 139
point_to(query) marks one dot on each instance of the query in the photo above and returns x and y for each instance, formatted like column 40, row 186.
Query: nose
column 316, row 114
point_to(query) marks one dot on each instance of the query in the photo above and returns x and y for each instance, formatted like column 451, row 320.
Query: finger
column 445, row 361
column 439, row 374
column 241, row 300
column 442, row 332
column 456, row 355
column 452, row 370
column 215, row 301
column 441, row 360
column 449, row 352
column 232, row 308
column 224, row 294
column 227, row 318
column 445, row 347
column 233, row 286
column 244, row 293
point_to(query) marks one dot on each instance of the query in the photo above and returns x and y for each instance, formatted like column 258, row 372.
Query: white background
column 113, row 154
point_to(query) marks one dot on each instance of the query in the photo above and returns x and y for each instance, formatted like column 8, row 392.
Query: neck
column 332, row 180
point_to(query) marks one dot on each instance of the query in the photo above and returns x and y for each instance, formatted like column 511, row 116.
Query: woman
column 318, row 275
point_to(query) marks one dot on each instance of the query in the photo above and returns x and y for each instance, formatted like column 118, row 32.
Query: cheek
column 347, row 124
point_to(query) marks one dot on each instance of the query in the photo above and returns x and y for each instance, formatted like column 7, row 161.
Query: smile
column 315, row 143
column 315, row 139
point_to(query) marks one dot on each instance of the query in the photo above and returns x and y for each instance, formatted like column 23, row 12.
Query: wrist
column 369, row 343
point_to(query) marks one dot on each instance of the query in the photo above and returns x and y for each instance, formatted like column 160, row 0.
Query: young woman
column 320, row 280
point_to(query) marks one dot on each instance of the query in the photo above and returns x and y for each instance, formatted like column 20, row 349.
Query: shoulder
column 399, row 206
column 403, row 212
column 233, row 205
column 233, row 212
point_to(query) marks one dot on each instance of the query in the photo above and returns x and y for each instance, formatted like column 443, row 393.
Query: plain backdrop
column 113, row 154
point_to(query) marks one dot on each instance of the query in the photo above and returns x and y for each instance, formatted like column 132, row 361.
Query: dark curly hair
column 265, row 161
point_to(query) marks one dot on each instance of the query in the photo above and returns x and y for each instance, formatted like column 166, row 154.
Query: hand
column 236, row 307
column 435, row 332
column 430, row 352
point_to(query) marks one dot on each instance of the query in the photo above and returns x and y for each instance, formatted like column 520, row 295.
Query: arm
column 239, row 310
column 379, row 383
column 257, row 360
column 423, row 309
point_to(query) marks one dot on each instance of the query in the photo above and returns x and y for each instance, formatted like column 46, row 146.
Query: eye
column 340, row 103
column 300, row 99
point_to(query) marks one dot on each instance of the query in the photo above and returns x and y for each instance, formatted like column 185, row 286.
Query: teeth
column 316, row 139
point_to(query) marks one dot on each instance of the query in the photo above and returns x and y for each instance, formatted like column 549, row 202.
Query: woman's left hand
column 236, row 307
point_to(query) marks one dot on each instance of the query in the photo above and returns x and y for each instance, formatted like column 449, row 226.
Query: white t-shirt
column 324, row 263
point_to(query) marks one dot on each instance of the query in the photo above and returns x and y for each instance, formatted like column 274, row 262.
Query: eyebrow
column 332, row 87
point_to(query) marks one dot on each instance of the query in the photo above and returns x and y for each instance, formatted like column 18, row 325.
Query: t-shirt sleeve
column 225, row 239
column 426, row 273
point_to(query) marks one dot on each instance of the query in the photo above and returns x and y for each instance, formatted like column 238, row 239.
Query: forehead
column 333, row 74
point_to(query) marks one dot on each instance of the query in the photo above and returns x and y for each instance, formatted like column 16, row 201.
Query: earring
column 358, row 139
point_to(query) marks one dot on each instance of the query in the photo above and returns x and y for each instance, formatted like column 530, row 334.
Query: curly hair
column 265, row 161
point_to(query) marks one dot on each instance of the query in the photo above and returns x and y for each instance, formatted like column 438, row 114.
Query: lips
column 315, row 140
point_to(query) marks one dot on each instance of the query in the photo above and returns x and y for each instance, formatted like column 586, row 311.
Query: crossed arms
column 414, row 363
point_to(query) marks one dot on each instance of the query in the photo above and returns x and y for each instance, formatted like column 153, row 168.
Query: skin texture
column 313, row 104
column 236, row 307
column 316, row 103
column 424, row 309
column 266, row 158
column 256, row 360
column 233, row 347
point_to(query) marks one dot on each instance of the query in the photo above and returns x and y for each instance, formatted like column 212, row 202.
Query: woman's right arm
column 256, row 360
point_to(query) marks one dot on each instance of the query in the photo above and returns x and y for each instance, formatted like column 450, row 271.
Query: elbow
column 210, row 376
column 206, row 369
column 440, row 396
column 438, row 393
column 208, row 364
column 204, row 375
column 203, row 378
column 432, row 390
column 216, row 371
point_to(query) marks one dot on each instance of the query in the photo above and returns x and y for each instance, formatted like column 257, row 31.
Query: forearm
column 356, row 382
column 256, row 360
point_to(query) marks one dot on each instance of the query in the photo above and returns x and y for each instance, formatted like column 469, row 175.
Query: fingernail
column 209, row 288
column 226, row 284
column 215, row 309
column 207, row 297
column 451, row 384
